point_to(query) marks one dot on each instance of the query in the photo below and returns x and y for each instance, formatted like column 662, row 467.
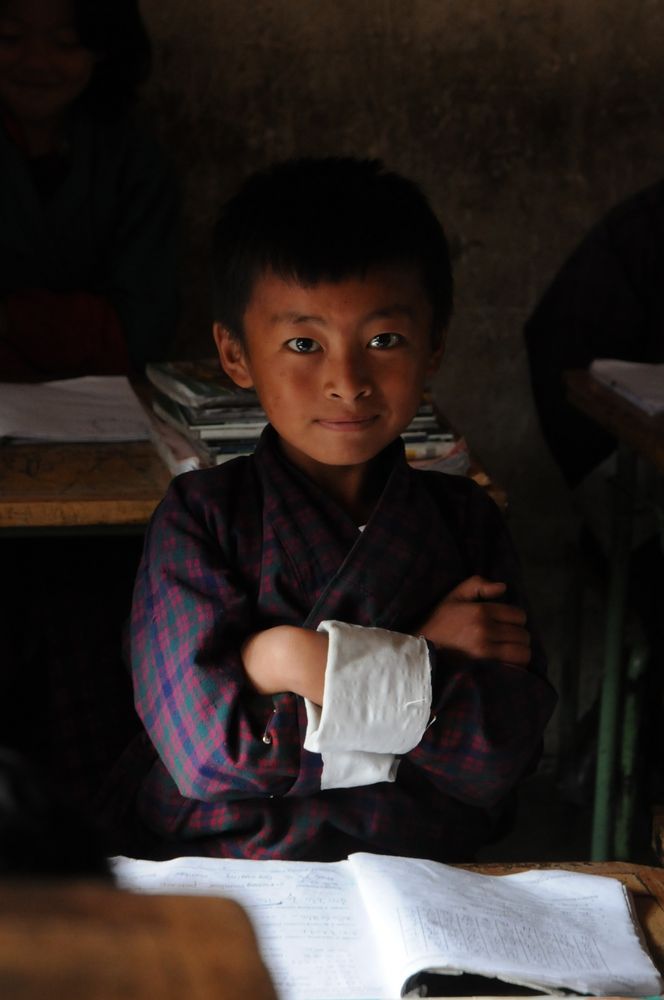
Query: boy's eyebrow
column 385, row 312
column 296, row 317
column 388, row 312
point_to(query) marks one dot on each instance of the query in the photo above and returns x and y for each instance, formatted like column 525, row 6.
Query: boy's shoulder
column 452, row 488
column 218, row 488
column 465, row 505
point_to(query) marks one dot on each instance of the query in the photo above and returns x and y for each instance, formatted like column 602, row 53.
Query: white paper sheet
column 93, row 408
column 640, row 383
column 310, row 923
column 543, row 928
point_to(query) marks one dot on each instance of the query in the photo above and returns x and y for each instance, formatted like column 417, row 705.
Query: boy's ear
column 232, row 356
column 436, row 356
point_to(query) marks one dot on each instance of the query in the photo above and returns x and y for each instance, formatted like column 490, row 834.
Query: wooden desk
column 630, row 425
column 105, row 487
column 638, row 435
column 79, row 486
column 88, row 940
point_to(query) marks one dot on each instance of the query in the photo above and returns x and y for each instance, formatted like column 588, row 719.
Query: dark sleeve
column 191, row 613
column 141, row 275
column 51, row 334
column 124, row 311
column 489, row 716
column 606, row 301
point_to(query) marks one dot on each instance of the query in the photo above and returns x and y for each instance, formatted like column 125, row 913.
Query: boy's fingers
column 514, row 655
column 506, row 613
column 476, row 588
column 512, row 634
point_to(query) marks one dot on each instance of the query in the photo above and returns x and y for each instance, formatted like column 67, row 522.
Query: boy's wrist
column 287, row 658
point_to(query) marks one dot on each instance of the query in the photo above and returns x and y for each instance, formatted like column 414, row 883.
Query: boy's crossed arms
column 468, row 622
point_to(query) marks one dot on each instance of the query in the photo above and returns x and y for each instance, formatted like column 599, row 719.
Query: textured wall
column 523, row 120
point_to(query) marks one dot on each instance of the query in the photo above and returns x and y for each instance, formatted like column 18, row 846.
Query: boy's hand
column 471, row 621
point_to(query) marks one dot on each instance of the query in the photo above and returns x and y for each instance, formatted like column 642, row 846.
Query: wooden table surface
column 72, row 486
column 628, row 423
column 84, row 486
column 89, row 941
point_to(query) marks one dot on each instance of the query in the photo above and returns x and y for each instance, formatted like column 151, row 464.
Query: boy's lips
column 347, row 423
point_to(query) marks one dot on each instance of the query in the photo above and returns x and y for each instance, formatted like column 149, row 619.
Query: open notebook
column 366, row 928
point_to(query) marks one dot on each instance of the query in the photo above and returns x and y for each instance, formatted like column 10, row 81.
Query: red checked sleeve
column 190, row 616
column 50, row 335
column 489, row 716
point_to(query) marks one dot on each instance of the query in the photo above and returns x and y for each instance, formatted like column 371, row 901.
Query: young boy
column 330, row 650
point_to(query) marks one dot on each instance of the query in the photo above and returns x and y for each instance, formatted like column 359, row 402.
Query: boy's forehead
column 385, row 287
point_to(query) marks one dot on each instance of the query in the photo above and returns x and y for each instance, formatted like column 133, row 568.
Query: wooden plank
column 642, row 432
column 76, row 485
column 90, row 941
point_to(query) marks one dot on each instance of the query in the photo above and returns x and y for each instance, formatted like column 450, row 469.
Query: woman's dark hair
column 115, row 32
column 327, row 219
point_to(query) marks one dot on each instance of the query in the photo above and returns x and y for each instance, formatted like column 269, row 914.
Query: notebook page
column 640, row 383
column 547, row 929
column 93, row 408
column 309, row 920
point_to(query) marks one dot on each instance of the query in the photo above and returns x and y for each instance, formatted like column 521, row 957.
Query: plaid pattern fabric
column 253, row 544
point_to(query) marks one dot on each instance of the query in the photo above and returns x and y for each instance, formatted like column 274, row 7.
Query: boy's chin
column 335, row 455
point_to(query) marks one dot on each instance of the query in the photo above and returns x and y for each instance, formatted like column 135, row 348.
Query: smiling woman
column 87, row 287
column 43, row 67
column 87, row 248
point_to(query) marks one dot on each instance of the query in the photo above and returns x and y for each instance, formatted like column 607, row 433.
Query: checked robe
column 253, row 544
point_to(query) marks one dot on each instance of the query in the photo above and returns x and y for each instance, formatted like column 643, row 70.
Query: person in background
column 88, row 206
column 607, row 301
column 88, row 286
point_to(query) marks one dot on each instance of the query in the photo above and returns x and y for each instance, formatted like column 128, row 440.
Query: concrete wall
column 523, row 120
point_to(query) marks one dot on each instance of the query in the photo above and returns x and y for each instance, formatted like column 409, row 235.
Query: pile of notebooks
column 197, row 399
column 215, row 420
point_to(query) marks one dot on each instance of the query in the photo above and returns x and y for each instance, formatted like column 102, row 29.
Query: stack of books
column 432, row 444
column 201, row 418
column 214, row 418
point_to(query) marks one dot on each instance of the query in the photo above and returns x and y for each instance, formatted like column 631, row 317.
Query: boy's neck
column 355, row 488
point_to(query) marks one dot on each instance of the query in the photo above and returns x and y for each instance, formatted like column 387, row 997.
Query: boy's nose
column 347, row 379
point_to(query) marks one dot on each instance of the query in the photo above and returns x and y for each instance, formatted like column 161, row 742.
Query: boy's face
column 43, row 66
column 339, row 368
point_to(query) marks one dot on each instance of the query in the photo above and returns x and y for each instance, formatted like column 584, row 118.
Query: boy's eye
column 383, row 340
column 303, row 345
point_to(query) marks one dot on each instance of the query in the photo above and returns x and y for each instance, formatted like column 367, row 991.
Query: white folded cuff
column 376, row 704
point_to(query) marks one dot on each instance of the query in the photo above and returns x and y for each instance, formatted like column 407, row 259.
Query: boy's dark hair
column 314, row 220
column 114, row 31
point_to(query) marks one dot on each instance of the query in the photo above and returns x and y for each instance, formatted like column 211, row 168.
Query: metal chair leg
column 607, row 739
column 638, row 663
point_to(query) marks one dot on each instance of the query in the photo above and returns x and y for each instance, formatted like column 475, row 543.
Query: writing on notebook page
column 93, row 408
